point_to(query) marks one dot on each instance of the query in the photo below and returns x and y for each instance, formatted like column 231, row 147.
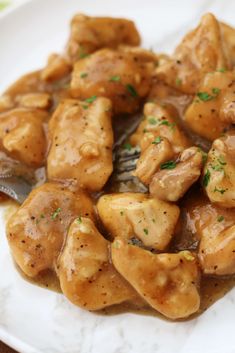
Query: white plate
column 33, row 319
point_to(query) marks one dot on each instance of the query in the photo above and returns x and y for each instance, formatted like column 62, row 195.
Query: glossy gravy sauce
column 212, row 289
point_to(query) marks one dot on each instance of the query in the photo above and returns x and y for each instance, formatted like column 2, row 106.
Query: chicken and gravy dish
column 159, row 237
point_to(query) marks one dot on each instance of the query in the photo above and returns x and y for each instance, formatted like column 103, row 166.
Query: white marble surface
column 36, row 320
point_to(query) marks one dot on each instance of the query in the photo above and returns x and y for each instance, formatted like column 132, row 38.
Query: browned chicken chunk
column 151, row 159
column 82, row 139
column 215, row 227
column 22, row 135
column 158, row 121
column 176, row 177
column 116, row 75
column 37, row 230
column 57, row 67
column 201, row 51
column 219, row 171
column 89, row 34
column 134, row 215
column 168, row 282
column 212, row 109
column 87, row 277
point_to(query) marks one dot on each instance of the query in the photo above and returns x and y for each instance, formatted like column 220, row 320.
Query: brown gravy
column 212, row 289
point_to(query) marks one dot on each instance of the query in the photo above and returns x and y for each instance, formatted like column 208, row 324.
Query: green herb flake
column 204, row 96
column 55, row 214
column 204, row 155
column 85, row 107
column 152, row 120
column 127, row 146
column 146, row 231
column 42, row 216
column 215, row 91
column 114, row 78
column 221, row 191
column 178, row 81
column 79, row 220
column 206, row 178
column 168, row 165
column 153, row 220
column 221, row 70
column 157, row 140
column 83, row 74
column 121, row 213
column 90, row 99
column 167, row 123
column 132, row 91
column 220, row 218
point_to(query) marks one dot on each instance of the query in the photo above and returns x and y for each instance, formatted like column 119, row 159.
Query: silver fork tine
column 15, row 187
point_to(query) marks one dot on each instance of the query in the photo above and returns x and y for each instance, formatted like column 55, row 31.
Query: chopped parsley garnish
column 157, row 140
column 84, row 74
column 206, row 178
column 55, row 214
column 127, row 146
column 42, row 215
column 168, row 165
column 132, row 91
column 178, row 81
column 205, row 96
column 115, row 78
column 121, row 213
column 204, row 155
column 91, row 99
column 220, row 218
column 215, row 91
column 221, row 191
column 146, row 231
column 79, row 220
column 152, row 121
column 167, row 123
column 222, row 69
column 85, row 107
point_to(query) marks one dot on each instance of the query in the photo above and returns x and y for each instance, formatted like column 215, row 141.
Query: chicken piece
column 158, row 121
column 176, row 177
column 57, row 68
column 215, row 228
column 151, row 159
column 37, row 230
column 89, row 34
column 34, row 100
column 131, row 215
column 6, row 103
column 201, row 51
column 116, row 75
column 168, row 282
column 22, row 135
column 82, row 139
column 219, row 171
column 87, row 277
column 211, row 111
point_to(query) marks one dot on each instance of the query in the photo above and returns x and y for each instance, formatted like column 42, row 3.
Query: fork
column 18, row 187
